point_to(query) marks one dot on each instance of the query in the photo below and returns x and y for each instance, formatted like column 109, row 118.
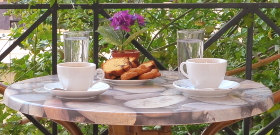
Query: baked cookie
column 149, row 75
column 140, row 70
column 129, row 75
column 115, row 67
column 134, row 63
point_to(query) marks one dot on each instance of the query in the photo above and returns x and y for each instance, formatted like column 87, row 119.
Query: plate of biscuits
column 128, row 71
column 126, row 82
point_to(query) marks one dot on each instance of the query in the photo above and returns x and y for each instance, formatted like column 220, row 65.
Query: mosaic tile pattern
column 156, row 102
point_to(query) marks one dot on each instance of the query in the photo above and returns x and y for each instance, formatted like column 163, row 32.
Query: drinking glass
column 76, row 44
column 189, row 45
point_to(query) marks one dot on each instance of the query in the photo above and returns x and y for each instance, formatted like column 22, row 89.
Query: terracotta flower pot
column 126, row 53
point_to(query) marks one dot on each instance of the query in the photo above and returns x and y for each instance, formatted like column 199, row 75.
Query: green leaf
column 248, row 20
column 134, row 35
column 274, row 108
column 269, row 133
column 52, row 2
column 109, row 35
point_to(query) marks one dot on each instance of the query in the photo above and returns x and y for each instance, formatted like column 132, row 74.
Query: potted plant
column 118, row 28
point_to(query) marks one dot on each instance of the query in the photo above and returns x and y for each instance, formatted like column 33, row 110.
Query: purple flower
column 122, row 20
column 140, row 19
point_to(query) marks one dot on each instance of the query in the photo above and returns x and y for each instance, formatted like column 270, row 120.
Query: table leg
column 137, row 130
column 213, row 128
column 118, row 130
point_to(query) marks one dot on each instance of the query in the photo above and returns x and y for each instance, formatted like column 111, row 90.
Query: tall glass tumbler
column 76, row 44
column 189, row 45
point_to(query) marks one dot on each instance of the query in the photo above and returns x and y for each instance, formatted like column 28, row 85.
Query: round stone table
column 156, row 102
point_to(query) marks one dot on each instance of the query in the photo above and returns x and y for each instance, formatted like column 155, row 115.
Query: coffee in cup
column 78, row 76
column 205, row 72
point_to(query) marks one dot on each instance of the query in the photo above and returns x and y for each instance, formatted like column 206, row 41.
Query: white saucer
column 95, row 90
column 126, row 82
column 187, row 87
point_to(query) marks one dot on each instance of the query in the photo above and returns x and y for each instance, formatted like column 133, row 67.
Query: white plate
column 187, row 87
column 126, row 82
column 95, row 90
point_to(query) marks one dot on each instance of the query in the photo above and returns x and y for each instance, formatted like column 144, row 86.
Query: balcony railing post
column 54, row 37
column 95, row 34
column 249, row 48
column 248, row 72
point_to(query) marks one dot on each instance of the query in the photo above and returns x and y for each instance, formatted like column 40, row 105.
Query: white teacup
column 78, row 76
column 205, row 72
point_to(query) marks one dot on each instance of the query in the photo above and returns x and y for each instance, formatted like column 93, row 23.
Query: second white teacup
column 205, row 72
column 78, row 76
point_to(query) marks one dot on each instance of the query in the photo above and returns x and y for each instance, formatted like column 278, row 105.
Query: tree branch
column 260, row 63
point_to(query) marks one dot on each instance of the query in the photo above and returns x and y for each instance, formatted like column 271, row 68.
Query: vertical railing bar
column 248, row 71
column 246, row 123
column 54, row 38
column 96, row 9
column 229, row 131
column 95, row 129
column 54, row 50
column 54, row 128
column 37, row 124
column 229, row 24
column 25, row 34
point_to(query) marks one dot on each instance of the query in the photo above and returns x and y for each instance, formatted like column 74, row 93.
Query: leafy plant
column 117, row 32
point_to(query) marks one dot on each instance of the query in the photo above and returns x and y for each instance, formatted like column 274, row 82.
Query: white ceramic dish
column 187, row 87
column 126, row 82
column 95, row 90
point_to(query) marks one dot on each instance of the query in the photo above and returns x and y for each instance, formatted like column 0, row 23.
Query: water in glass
column 76, row 44
column 187, row 49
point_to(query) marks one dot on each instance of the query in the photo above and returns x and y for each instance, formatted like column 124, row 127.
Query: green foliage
column 159, row 39
column 110, row 36
column 188, row 129
column 24, row 68
column 120, row 38
column 113, row 37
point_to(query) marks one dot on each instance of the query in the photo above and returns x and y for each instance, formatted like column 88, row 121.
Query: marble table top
column 156, row 102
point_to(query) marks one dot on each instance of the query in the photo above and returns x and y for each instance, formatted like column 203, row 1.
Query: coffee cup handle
column 99, row 77
column 181, row 69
